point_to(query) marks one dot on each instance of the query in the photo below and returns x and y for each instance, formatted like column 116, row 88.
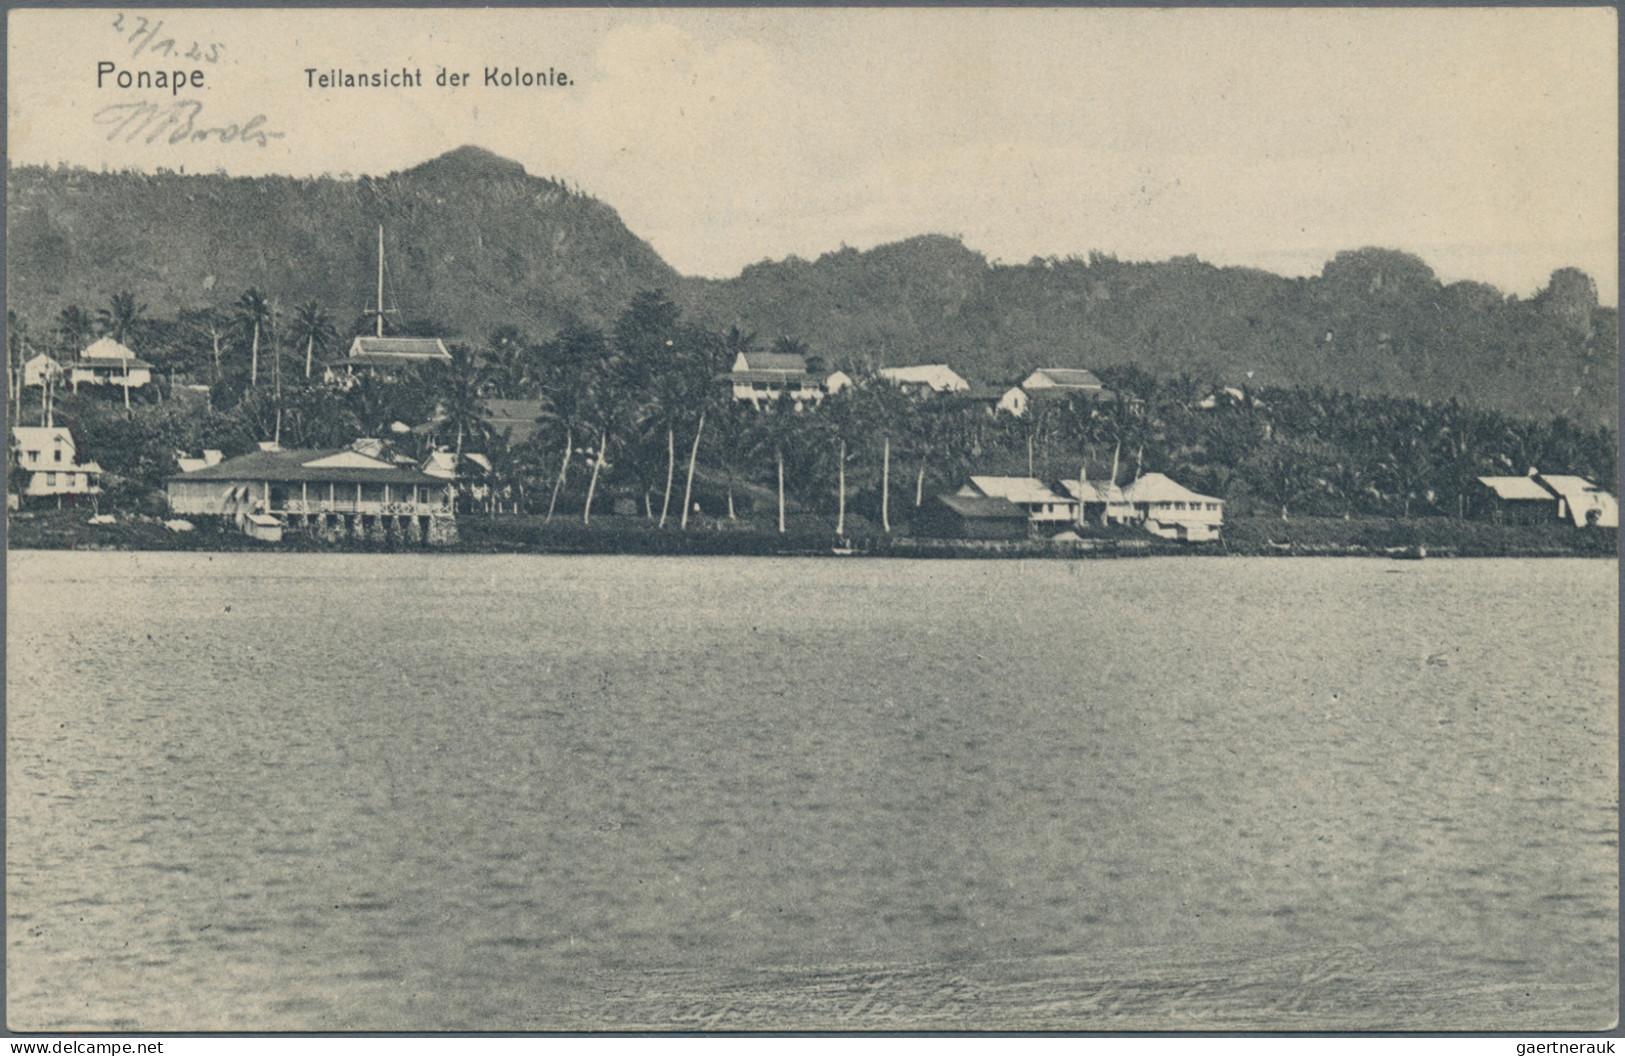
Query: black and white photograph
column 812, row 520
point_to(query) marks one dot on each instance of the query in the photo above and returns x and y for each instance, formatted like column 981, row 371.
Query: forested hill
column 471, row 242
column 474, row 243
column 1374, row 321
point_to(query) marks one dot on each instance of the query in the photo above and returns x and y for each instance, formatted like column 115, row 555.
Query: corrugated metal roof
column 1517, row 488
column 781, row 362
column 517, row 418
column 1094, row 491
column 1155, row 487
column 1568, row 486
column 106, row 348
column 938, row 376
column 396, row 348
column 1067, row 378
column 984, row 507
column 1016, row 489
column 776, row 377
column 289, row 466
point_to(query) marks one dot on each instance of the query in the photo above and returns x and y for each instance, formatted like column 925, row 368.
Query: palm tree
column 614, row 405
column 253, row 314
column 16, row 340
column 122, row 316
column 566, row 361
column 118, row 320
column 888, row 411
column 843, row 421
column 72, row 327
column 205, row 322
column 775, row 428
column 462, row 412
column 314, row 328
column 733, row 431
column 507, row 474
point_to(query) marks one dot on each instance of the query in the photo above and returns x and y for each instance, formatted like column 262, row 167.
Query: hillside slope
column 1374, row 321
column 474, row 243
column 470, row 240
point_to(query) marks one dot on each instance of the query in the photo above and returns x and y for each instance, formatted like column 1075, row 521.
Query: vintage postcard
column 726, row 519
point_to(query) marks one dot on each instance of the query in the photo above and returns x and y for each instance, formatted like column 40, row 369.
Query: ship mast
column 380, row 280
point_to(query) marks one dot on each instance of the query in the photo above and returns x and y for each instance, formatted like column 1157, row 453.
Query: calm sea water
column 439, row 791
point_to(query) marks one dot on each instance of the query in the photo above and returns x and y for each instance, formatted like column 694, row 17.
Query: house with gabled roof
column 40, row 368
column 1099, row 501
column 1029, row 494
column 1539, row 498
column 971, row 517
column 342, row 493
column 1170, row 510
column 107, row 362
column 1580, row 501
column 928, row 377
column 762, row 377
column 1516, row 500
column 1051, row 383
column 1062, row 379
column 388, row 355
column 50, row 458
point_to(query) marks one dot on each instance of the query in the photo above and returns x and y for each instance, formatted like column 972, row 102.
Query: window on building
column 33, row 458
column 56, row 455
column 50, row 480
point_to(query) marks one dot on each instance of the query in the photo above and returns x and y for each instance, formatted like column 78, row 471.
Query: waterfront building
column 342, row 493
column 1516, row 500
column 1581, row 501
column 1099, row 502
column 1540, row 498
column 971, row 517
column 1029, row 494
column 1170, row 510
column 49, row 456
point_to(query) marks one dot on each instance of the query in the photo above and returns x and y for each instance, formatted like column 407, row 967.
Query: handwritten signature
column 177, row 122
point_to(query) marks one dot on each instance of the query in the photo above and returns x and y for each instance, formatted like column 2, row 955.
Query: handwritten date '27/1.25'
column 177, row 122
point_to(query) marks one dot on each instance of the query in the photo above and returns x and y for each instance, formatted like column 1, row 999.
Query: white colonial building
column 49, row 457
column 106, row 362
column 1172, row 511
column 1042, row 506
column 760, row 378
column 343, row 493
column 930, row 377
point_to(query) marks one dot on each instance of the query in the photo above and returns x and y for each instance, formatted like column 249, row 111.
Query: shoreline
column 611, row 534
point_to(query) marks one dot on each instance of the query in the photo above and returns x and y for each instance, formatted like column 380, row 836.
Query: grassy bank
column 50, row 529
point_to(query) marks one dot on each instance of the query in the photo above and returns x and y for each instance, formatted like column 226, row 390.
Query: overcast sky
column 1485, row 141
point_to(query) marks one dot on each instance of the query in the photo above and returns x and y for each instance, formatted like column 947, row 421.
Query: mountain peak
column 468, row 161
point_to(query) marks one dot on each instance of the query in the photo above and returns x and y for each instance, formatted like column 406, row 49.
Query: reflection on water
column 532, row 792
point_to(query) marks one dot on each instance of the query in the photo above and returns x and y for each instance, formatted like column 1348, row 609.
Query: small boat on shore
column 1408, row 553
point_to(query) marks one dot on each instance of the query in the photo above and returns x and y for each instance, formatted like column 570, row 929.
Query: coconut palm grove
column 586, row 384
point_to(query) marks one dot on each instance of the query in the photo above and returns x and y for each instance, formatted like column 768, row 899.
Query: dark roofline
column 985, row 507
column 285, row 467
